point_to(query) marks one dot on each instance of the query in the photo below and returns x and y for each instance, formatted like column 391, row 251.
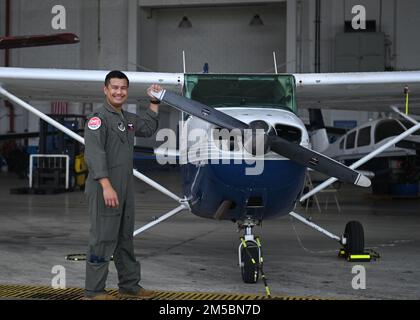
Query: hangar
column 315, row 54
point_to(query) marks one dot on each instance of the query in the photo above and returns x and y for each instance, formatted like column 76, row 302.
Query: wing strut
column 405, row 116
column 161, row 218
column 59, row 126
column 315, row 226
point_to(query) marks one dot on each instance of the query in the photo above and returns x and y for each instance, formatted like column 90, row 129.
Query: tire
column 355, row 238
column 249, row 270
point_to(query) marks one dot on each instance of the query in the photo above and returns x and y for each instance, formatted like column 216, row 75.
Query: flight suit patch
column 94, row 123
column 121, row 127
column 130, row 126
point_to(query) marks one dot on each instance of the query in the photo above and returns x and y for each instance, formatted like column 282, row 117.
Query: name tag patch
column 94, row 123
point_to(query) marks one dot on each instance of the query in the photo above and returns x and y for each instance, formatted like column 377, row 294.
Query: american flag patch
column 59, row 107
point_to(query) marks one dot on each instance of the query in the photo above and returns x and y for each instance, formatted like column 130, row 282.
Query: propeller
column 301, row 155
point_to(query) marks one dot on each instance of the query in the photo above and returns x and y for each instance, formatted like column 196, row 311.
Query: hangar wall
column 392, row 17
column 89, row 19
column 2, row 27
column 29, row 17
column 98, row 48
column 101, row 25
column 3, row 111
column 399, row 21
column 185, row 3
column 220, row 36
column 408, row 47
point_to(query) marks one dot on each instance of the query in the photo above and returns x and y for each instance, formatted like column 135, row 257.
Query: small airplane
column 259, row 111
column 398, row 164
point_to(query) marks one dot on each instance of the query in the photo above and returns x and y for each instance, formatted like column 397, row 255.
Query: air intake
column 288, row 133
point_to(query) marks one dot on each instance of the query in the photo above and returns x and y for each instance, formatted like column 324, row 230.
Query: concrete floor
column 188, row 253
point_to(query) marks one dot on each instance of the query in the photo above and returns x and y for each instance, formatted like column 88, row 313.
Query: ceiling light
column 256, row 21
column 185, row 23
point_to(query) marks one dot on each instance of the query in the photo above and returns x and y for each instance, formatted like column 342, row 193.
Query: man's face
column 116, row 92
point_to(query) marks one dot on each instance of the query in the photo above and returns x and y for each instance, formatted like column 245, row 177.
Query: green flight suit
column 109, row 140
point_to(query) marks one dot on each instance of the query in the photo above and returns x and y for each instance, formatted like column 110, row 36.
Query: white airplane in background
column 395, row 171
column 242, row 102
column 399, row 164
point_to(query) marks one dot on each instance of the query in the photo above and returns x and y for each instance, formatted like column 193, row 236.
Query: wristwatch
column 156, row 101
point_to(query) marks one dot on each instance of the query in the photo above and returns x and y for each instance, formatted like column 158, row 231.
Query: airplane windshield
column 408, row 125
column 252, row 91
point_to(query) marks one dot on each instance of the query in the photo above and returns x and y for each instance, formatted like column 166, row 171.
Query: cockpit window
column 249, row 91
column 351, row 137
column 407, row 124
column 363, row 138
column 387, row 128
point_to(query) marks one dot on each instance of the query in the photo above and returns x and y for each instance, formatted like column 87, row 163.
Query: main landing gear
column 352, row 241
column 355, row 238
column 354, row 244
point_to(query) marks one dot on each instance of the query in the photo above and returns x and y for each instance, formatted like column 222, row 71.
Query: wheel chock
column 366, row 257
column 361, row 257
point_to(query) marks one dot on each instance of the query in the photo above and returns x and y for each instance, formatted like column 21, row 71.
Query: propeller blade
column 317, row 161
column 199, row 110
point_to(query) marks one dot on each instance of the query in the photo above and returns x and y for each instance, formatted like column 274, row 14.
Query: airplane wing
column 364, row 91
column 79, row 85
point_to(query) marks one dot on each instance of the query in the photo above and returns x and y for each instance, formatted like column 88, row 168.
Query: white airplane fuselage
column 258, row 187
column 369, row 136
column 396, row 165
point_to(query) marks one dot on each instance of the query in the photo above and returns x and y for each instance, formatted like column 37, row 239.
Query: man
column 109, row 139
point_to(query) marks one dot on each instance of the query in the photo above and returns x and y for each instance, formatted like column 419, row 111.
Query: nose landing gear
column 250, row 255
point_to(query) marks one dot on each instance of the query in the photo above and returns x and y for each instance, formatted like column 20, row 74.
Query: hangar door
column 221, row 36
